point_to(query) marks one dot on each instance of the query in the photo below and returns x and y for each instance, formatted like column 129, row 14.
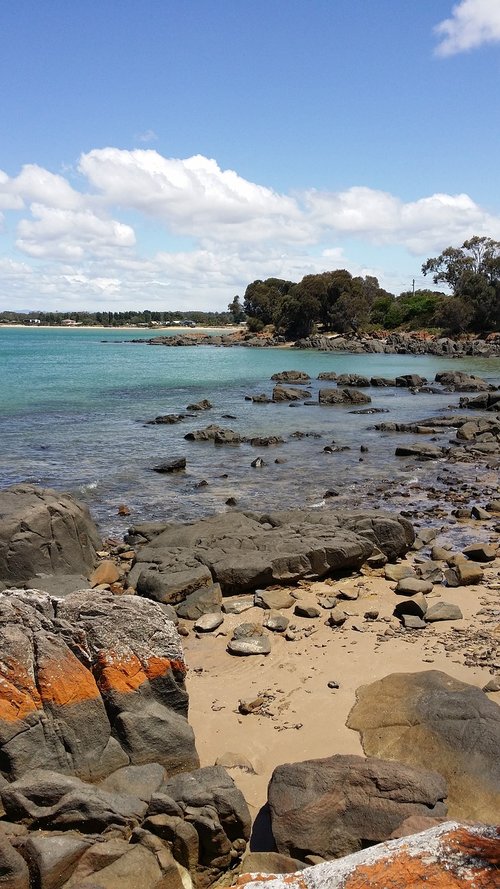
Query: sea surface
column 74, row 403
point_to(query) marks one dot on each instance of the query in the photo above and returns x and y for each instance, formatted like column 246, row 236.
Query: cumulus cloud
column 383, row 218
column 70, row 234
column 79, row 246
column 472, row 23
column 193, row 196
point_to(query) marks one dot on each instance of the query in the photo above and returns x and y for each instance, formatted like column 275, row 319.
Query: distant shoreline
column 149, row 330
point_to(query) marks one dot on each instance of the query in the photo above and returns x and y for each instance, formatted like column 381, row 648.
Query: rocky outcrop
column 449, row 856
column 428, row 720
column 43, row 531
column 332, row 807
column 458, row 381
column 289, row 393
column 342, row 396
column 137, row 828
column 243, row 552
column 89, row 684
column 419, row 343
column 291, row 376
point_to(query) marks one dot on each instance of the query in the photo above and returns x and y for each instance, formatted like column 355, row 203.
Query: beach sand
column 302, row 718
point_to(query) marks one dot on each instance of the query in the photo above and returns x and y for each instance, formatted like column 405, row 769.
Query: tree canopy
column 472, row 272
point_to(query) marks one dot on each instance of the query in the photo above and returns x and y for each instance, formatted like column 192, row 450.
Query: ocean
column 74, row 404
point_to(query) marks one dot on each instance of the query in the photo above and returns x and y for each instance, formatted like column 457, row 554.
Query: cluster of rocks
column 404, row 344
column 101, row 784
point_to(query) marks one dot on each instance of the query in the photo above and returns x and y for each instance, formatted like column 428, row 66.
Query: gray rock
column 204, row 405
column 78, row 683
column 343, row 396
column 245, row 552
column 291, row 376
column 337, row 617
column 43, row 798
column 249, row 643
column 207, row 623
column 408, row 586
column 443, row 611
column 238, row 606
column 304, row 610
column 140, row 781
column 205, row 601
column 274, row 599
column 422, row 451
column 52, row 859
column 480, row 552
column 410, row 381
column 289, row 393
column 44, row 532
column 14, row 872
column 334, row 806
column 416, row 606
column 398, row 572
column 429, row 717
column 177, row 464
column 413, row 622
column 57, row 585
column 276, row 622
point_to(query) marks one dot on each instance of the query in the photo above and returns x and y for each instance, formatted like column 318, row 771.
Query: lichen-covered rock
column 429, row 719
column 332, row 807
column 89, row 684
column 450, row 856
column 44, row 531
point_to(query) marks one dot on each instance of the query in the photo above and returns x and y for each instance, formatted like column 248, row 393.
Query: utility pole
column 413, row 287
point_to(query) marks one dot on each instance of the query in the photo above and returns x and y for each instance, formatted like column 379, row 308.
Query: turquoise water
column 73, row 408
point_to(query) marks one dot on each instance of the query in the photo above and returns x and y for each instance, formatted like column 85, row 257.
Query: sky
column 163, row 154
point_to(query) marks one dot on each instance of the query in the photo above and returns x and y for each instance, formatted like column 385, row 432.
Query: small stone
column 105, row 573
column 238, row 606
column 350, row 594
column 231, row 501
column 274, row 599
column 492, row 685
column 337, row 617
column 207, row 623
column 333, row 684
column 276, row 622
column 303, row 610
column 468, row 573
column 258, row 463
column 246, row 707
column 417, row 605
column 123, row 510
column 477, row 512
column 412, row 622
column 168, row 466
column 372, row 614
column 398, row 572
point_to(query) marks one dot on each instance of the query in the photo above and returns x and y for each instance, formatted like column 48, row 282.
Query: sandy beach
column 301, row 717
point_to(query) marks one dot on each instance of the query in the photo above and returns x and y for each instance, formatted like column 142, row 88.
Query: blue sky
column 164, row 154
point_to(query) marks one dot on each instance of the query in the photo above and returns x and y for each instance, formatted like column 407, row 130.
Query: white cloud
column 79, row 246
column 382, row 218
column 194, row 196
column 472, row 23
column 70, row 234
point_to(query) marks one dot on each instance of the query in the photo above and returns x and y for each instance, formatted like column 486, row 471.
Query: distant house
column 69, row 322
column 34, row 321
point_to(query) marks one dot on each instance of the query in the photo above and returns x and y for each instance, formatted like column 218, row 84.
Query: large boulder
column 449, row 856
column 242, row 552
column 90, row 684
column 332, row 807
column 44, row 531
column 430, row 720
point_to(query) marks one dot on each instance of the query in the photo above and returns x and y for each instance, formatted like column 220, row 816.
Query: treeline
column 337, row 301
column 118, row 319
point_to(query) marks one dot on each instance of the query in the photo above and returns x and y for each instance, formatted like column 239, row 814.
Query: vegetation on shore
column 338, row 301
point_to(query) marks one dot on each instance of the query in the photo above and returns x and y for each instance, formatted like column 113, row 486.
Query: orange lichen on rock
column 450, row 856
column 18, row 693
column 65, row 681
column 127, row 674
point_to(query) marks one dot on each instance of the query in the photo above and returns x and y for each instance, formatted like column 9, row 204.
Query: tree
column 236, row 310
column 472, row 272
column 261, row 298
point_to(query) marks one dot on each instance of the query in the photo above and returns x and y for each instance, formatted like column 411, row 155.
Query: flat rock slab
column 428, row 718
column 207, row 623
column 244, row 552
column 250, row 645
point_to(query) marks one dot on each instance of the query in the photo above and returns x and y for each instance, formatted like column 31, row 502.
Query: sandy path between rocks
column 302, row 717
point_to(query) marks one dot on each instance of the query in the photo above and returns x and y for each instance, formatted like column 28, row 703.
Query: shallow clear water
column 73, row 408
